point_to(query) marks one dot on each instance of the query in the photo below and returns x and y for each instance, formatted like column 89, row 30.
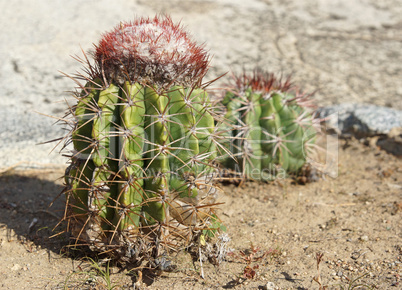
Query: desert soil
column 346, row 51
column 276, row 231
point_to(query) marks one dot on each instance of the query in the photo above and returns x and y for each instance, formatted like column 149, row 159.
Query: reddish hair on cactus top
column 153, row 51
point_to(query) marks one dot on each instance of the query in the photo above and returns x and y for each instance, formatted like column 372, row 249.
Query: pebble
column 269, row 286
column 364, row 238
column 16, row 267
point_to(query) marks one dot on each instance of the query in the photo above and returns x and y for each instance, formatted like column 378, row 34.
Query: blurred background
column 344, row 50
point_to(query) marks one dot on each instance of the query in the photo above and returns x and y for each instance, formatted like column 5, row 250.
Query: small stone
column 364, row 238
column 269, row 286
column 16, row 267
column 373, row 141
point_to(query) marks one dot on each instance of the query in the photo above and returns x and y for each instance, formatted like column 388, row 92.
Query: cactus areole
column 275, row 127
column 141, row 178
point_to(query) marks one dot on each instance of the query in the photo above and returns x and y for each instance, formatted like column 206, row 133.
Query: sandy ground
column 276, row 231
column 348, row 51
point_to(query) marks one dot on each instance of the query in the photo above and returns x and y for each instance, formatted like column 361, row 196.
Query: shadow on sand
column 25, row 211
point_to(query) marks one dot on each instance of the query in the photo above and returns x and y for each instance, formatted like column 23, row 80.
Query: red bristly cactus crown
column 267, row 83
column 151, row 51
column 262, row 81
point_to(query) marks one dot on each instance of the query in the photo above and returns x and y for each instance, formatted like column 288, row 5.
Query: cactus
column 275, row 129
column 141, row 178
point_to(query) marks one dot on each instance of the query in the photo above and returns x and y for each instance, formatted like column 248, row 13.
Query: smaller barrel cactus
column 274, row 126
column 141, row 179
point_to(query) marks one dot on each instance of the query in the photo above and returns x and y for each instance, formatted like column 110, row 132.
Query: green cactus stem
column 142, row 173
column 275, row 126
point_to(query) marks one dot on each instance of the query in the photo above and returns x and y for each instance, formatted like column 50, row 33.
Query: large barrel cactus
column 141, row 178
column 274, row 126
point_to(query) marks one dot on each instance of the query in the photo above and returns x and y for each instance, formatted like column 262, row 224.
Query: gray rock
column 21, row 135
column 392, row 142
column 382, row 125
column 361, row 120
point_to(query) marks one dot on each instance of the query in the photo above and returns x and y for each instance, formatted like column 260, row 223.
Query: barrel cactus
column 274, row 126
column 142, row 172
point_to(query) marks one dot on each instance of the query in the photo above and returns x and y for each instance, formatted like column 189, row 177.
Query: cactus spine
column 141, row 179
column 274, row 128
